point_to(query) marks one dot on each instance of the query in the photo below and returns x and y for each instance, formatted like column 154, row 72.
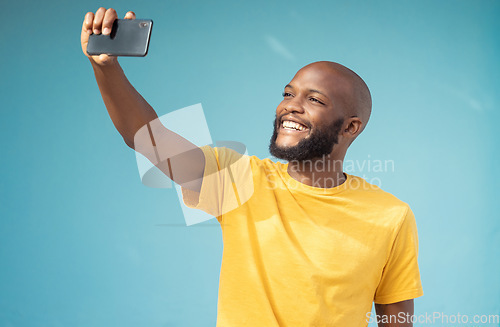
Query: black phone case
column 129, row 37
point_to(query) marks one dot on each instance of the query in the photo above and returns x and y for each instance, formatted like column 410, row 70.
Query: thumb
column 130, row 15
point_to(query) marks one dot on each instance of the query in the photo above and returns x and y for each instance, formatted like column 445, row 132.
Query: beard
column 317, row 144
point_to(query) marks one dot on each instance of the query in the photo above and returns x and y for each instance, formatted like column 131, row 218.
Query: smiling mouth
column 293, row 126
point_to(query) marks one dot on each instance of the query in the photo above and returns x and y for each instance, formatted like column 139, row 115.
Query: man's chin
column 287, row 141
column 285, row 145
column 284, row 152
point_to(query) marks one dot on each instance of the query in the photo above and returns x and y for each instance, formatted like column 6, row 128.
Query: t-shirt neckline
column 295, row 185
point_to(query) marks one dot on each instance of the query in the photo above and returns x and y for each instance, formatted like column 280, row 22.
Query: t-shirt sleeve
column 400, row 279
column 227, row 182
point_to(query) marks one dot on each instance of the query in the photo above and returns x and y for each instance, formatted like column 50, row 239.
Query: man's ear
column 352, row 127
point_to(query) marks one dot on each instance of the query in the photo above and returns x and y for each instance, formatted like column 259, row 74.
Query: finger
column 86, row 30
column 130, row 15
column 109, row 17
column 87, row 23
column 98, row 17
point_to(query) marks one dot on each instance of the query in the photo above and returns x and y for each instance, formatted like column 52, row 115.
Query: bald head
column 351, row 94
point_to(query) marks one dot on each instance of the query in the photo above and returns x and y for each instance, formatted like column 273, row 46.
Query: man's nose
column 294, row 105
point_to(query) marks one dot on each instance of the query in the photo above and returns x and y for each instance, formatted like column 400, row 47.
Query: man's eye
column 286, row 94
column 316, row 100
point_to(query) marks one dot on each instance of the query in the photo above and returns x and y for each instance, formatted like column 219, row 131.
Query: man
column 304, row 243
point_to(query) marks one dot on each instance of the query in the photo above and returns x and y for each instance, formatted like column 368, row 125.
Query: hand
column 101, row 22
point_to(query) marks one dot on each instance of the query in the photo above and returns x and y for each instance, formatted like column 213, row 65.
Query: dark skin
column 178, row 158
column 319, row 94
column 395, row 310
column 342, row 94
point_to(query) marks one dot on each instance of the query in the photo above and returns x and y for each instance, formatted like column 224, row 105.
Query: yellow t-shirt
column 297, row 255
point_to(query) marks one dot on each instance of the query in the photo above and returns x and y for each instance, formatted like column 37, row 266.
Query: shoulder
column 228, row 154
column 360, row 185
column 386, row 206
column 239, row 163
column 266, row 163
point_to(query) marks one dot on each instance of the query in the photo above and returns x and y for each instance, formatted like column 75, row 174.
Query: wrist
column 103, row 64
column 108, row 65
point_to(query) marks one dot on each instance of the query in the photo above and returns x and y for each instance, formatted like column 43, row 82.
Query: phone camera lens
column 143, row 24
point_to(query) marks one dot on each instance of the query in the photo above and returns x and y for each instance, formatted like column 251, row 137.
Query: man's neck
column 326, row 172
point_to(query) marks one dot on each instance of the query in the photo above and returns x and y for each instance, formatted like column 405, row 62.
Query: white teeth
column 293, row 125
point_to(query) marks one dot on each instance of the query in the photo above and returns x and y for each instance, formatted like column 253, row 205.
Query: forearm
column 134, row 118
column 126, row 107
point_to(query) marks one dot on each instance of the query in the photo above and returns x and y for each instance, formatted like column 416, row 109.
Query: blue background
column 84, row 243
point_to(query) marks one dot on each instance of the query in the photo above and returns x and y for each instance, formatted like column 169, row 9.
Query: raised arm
column 133, row 117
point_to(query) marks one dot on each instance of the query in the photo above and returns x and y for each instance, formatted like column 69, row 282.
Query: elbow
column 129, row 143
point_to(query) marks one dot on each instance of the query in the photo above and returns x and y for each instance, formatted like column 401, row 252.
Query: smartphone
column 129, row 37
